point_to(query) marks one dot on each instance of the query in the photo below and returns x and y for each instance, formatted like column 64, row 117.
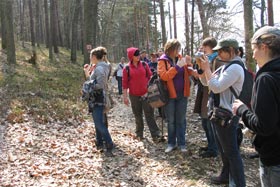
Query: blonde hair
column 171, row 45
column 100, row 53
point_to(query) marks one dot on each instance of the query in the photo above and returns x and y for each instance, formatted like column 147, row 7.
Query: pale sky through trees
column 232, row 7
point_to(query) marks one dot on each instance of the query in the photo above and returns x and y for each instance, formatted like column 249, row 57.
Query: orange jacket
column 168, row 75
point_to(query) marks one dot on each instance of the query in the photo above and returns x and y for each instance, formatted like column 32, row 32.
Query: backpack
column 144, row 65
column 247, row 87
column 157, row 95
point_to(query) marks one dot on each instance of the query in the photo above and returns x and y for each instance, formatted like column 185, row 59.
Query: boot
column 109, row 149
column 98, row 146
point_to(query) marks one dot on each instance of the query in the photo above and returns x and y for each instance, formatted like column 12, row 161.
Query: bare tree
column 75, row 31
column 155, row 28
column 174, row 19
column 7, row 6
column 31, row 23
column 203, row 20
column 270, row 12
column 162, row 18
column 187, row 28
column 248, row 26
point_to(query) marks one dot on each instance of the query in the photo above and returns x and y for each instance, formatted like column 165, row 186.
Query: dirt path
column 59, row 154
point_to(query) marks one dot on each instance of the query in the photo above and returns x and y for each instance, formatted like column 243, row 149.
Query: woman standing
column 100, row 75
column 176, row 74
column 136, row 76
column 264, row 118
column 219, row 82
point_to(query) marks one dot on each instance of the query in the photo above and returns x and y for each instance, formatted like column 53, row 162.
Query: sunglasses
column 136, row 53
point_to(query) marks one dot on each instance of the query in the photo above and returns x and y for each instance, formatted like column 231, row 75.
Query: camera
column 197, row 57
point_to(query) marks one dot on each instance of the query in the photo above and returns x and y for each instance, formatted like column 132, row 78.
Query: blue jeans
column 119, row 79
column 175, row 112
column 102, row 133
column 207, row 126
column 227, row 145
column 270, row 175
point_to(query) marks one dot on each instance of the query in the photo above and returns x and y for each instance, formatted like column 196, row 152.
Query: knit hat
column 226, row 43
column 265, row 31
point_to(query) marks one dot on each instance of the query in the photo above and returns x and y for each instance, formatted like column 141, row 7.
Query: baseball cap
column 264, row 32
column 226, row 43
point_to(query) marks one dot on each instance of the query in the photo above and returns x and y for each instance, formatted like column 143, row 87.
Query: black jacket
column 264, row 119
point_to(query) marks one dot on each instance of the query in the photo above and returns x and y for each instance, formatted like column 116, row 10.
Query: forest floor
column 47, row 139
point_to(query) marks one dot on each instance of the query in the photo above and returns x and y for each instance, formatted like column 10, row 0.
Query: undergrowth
column 47, row 91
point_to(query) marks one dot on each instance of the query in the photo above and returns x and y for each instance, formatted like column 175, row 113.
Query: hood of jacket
column 130, row 52
column 271, row 66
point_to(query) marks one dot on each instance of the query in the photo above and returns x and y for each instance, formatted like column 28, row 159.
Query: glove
column 181, row 62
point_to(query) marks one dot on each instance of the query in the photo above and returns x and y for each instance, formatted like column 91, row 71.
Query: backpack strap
column 144, row 65
column 243, row 67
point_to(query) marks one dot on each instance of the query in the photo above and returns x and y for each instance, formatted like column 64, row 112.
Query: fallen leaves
column 63, row 153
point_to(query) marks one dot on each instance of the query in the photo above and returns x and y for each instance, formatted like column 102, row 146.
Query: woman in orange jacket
column 176, row 70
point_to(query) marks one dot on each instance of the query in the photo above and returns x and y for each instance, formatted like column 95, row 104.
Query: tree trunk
column 90, row 24
column 53, row 26
column 155, row 28
column 248, row 26
column 22, row 20
column 8, row 24
column 162, row 18
column 3, row 29
column 187, row 28
column 46, row 7
column 203, row 20
column 31, row 23
column 170, row 25
column 174, row 19
column 75, row 31
column 270, row 12
column 262, row 12
column 192, row 29
column 37, row 19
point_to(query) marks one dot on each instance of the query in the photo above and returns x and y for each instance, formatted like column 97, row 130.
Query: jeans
column 138, row 106
column 227, row 145
column 207, row 126
column 175, row 112
column 270, row 175
column 119, row 79
column 102, row 132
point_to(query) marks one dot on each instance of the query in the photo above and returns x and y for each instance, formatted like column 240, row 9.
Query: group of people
column 215, row 75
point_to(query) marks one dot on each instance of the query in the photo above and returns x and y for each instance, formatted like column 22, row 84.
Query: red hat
column 130, row 52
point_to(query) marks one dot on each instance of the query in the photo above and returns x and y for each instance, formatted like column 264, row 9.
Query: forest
column 46, row 134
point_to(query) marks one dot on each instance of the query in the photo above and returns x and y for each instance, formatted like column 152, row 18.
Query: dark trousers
column 138, row 106
column 119, row 79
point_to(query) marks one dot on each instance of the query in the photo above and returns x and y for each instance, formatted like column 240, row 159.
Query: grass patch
column 47, row 91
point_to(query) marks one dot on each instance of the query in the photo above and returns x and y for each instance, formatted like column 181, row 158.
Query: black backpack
column 247, row 87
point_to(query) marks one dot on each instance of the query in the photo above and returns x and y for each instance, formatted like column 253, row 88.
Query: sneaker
column 183, row 150
column 169, row 149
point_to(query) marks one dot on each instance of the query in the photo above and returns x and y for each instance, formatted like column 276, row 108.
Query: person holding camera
column 221, row 99
column 100, row 75
column 201, row 100
column 264, row 117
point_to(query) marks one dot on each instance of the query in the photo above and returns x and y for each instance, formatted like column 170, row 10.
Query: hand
column 236, row 104
column 204, row 63
column 181, row 62
column 125, row 100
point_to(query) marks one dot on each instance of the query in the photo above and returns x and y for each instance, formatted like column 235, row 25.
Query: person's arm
column 264, row 119
column 125, row 87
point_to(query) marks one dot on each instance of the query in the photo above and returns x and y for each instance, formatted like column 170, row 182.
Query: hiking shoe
column 208, row 154
column 201, row 149
column 156, row 139
column 219, row 180
column 169, row 148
